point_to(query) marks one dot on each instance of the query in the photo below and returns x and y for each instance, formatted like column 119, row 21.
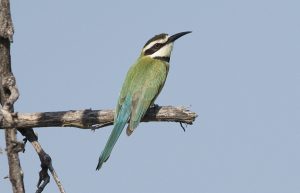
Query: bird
column 143, row 83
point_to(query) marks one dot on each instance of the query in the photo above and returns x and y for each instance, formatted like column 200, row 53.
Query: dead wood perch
column 87, row 119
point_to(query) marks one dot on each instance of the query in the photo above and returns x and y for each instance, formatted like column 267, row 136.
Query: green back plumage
column 143, row 83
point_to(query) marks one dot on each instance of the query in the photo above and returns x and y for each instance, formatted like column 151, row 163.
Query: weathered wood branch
column 8, row 95
column 92, row 119
column 6, row 24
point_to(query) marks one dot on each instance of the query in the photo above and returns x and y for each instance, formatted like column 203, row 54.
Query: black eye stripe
column 154, row 48
column 157, row 37
column 157, row 45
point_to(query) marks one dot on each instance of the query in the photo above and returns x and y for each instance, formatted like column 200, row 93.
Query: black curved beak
column 178, row 35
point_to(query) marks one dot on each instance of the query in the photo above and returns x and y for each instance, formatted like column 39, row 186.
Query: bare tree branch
column 93, row 119
column 6, row 25
column 46, row 162
column 15, row 170
column 8, row 95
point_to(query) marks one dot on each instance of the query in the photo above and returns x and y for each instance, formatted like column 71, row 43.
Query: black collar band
column 163, row 58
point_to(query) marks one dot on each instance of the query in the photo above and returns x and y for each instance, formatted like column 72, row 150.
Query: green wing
column 125, row 88
column 145, row 87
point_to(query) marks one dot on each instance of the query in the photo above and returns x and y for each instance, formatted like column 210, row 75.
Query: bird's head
column 160, row 46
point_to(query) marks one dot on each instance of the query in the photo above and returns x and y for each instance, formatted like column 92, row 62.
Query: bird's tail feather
column 119, row 124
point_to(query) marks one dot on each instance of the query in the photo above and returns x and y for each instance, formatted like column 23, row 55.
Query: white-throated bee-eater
column 144, row 81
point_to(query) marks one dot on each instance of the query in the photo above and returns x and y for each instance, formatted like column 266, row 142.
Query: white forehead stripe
column 154, row 42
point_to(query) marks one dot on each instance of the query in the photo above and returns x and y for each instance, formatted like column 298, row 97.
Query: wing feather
column 151, row 80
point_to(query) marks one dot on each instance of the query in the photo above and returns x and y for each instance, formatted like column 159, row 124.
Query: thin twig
column 46, row 161
column 46, row 165
column 182, row 126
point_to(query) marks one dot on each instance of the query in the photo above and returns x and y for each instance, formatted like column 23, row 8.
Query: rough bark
column 92, row 119
column 8, row 95
column 6, row 25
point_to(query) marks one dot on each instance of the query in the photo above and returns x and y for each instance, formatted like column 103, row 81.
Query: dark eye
column 157, row 45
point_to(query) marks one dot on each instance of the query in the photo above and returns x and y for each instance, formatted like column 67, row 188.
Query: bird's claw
column 154, row 106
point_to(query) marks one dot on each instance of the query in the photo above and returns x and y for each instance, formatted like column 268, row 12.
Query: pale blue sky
column 239, row 70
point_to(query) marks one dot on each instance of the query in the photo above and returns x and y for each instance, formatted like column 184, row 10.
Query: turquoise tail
column 119, row 124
